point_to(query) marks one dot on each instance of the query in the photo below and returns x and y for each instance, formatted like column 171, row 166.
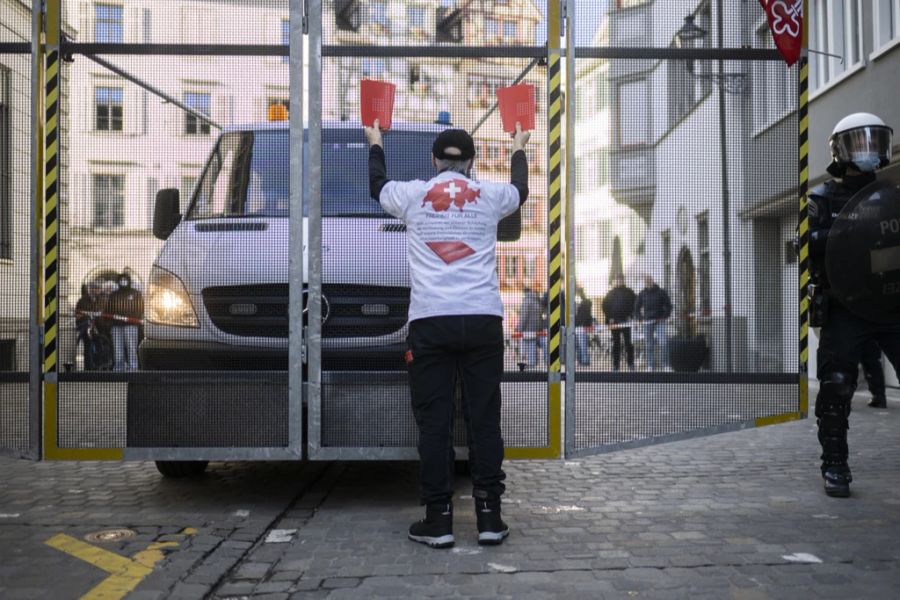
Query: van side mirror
column 509, row 229
column 166, row 213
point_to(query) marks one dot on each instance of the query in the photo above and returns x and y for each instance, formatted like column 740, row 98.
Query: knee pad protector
column 835, row 392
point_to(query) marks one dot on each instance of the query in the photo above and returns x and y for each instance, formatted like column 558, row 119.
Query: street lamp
column 732, row 83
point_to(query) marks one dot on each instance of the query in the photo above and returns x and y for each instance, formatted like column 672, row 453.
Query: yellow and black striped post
column 554, row 225
column 50, row 170
column 553, row 449
column 51, row 194
column 50, row 238
column 803, row 227
column 554, row 211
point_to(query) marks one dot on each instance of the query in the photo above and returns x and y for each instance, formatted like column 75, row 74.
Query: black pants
column 872, row 369
column 469, row 348
column 842, row 341
column 619, row 335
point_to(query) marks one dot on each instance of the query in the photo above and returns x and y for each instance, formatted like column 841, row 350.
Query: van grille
column 262, row 310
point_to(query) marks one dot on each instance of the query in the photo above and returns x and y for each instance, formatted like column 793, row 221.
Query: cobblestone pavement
column 738, row 515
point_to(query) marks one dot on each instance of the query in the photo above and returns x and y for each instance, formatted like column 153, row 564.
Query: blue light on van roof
column 443, row 118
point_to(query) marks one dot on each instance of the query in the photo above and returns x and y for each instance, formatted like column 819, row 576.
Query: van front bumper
column 180, row 355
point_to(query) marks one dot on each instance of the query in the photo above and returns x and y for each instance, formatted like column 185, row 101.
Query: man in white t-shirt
column 455, row 320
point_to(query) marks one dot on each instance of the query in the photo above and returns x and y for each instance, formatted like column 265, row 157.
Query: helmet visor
column 862, row 143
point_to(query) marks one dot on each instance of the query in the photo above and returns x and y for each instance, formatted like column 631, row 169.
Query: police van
column 218, row 291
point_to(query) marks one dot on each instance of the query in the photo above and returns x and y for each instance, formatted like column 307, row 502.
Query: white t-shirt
column 451, row 223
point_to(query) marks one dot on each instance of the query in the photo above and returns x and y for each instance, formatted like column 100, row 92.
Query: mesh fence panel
column 686, row 275
column 652, row 162
column 204, row 137
column 371, row 409
column 15, row 228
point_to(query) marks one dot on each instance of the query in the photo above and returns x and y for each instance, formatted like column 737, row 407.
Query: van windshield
column 248, row 173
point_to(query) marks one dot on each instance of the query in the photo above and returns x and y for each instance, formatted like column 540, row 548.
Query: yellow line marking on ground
column 125, row 573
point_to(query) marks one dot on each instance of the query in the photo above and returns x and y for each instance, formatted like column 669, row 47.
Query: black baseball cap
column 453, row 144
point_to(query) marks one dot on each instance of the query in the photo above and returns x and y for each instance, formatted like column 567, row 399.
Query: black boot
column 436, row 529
column 833, row 409
column 837, row 479
column 878, row 402
column 491, row 528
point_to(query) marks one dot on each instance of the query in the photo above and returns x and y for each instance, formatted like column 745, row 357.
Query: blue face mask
column 866, row 162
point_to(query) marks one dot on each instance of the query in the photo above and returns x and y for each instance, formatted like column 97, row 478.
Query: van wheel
column 181, row 468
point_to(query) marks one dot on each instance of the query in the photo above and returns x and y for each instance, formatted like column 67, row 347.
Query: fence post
column 554, row 217
column 50, row 215
column 803, row 228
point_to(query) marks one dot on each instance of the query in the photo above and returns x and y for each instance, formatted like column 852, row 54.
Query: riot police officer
column 860, row 144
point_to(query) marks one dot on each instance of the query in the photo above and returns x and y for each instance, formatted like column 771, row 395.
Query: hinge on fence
column 563, row 7
column 305, row 19
column 303, row 345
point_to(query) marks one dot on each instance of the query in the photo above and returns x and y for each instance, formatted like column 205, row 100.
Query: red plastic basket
column 376, row 101
column 517, row 104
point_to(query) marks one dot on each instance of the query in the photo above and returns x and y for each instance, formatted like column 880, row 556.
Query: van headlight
column 169, row 302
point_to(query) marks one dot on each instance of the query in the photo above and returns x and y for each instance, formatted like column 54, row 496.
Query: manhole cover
column 110, row 535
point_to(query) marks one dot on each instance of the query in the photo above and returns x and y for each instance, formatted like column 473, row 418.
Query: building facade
column 666, row 125
column 15, row 184
column 128, row 143
column 601, row 223
column 867, row 35
column 688, row 173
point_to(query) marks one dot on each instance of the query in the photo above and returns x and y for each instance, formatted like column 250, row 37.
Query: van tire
column 181, row 468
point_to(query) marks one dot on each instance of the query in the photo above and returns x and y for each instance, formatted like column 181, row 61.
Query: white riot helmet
column 861, row 140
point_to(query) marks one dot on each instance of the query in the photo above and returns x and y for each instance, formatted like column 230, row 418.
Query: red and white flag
column 786, row 22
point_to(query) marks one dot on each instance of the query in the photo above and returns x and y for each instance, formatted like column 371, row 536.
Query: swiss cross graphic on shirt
column 455, row 191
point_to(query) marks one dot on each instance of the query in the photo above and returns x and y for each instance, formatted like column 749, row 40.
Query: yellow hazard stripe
column 803, row 229
column 554, row 211
column 51, row 211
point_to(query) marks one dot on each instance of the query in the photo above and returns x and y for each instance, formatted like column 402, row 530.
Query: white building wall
column 15, row 271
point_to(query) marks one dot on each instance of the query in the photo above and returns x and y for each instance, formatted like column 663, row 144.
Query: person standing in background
column 126, row 308
column 618, row 310
column 584, row 320
column 529, row 325
column 874, row 372
column 653, row 307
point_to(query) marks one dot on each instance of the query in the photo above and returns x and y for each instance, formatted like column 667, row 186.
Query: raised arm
column 377, row 165
column 518, row 172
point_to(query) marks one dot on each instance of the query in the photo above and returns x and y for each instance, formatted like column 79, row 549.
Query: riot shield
column 862, row 257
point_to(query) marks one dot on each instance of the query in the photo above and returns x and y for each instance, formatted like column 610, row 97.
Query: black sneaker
column 837, row 480
column 491, row 528
column 436, row 529
column 878, row 402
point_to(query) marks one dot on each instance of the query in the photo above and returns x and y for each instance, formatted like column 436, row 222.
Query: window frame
column 624, row 117
column 201, row 127
column 6, row 212
column 666, row 242
column 112, row 202
column 771, row 103
column 880, row 44
column 108, row 26
column 704, row 264
column 286, row 37
column 110, row 105
column 826, row 71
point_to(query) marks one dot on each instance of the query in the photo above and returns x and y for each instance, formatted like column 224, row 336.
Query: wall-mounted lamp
column 733, row 83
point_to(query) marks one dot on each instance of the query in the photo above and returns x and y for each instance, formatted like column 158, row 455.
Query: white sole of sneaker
column 444, row 541
column 492, row 538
